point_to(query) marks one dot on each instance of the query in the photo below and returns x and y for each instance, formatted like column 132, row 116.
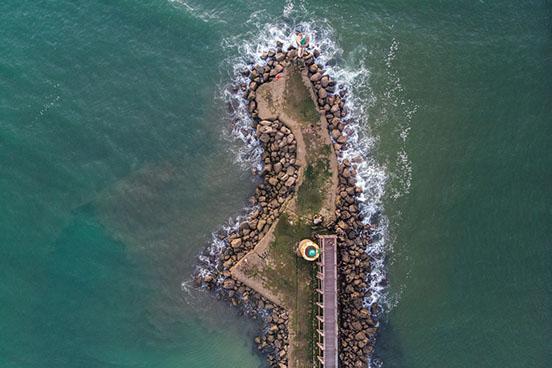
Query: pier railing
column 327, row 329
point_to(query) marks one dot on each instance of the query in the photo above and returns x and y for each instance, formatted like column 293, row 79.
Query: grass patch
column 285, row 271
column 300, row 105
column 294, row 279
column 310, row 194
column 298, row 100
column 326, row 150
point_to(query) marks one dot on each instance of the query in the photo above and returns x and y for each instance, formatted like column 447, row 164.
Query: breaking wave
column 197, row 11
column 396, row 102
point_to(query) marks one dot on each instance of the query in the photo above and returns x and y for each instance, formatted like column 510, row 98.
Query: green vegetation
column 300, row 105
column 326, row 150
column 298, row 100
column 310, row 195
column 286, row 236
column 294, row 278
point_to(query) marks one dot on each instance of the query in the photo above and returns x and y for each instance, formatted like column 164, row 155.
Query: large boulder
column 261, row 224
column 290, row 181
column 228, row 284
column 315, row 77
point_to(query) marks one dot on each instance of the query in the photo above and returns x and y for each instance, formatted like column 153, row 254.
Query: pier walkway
column 327, row 303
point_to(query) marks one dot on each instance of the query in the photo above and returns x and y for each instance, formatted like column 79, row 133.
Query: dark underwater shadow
column 389, row 352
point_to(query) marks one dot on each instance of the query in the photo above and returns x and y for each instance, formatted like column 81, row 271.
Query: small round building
column 309, row 250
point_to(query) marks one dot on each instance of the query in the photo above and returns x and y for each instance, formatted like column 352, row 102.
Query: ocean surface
column 119, row 159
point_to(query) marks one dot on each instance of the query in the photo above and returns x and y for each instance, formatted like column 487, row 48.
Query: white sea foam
column 402, row 110
column 53, row 101
column 208, row 261
column 197, row 11
column 288, row 8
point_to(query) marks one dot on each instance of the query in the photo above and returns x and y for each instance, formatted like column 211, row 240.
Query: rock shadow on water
column 388, row 350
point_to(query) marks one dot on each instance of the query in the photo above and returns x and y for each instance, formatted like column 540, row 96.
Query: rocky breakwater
column 357, row 322
column 279, row 180
column 279, row 175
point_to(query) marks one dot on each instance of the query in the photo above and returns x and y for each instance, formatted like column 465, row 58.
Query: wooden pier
column 327, row 303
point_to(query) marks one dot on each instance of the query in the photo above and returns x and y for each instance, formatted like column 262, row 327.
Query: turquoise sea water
column 115, row 168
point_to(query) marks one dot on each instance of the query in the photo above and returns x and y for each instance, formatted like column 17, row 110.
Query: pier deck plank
column 329, row 288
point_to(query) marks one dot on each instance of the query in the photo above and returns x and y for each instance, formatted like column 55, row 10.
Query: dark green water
column 114, row 171
column 472, row 262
